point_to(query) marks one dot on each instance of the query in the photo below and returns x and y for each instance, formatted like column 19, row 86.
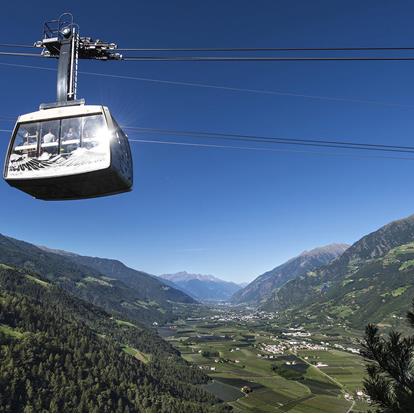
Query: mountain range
column 262, row 287
column 75, row 334
column 372, row 281
column 123, row 291
column 205, row 288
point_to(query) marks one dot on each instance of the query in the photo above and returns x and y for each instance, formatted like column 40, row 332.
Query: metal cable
column 21, row 54
column 220, row 87
column 202, row 145
column 191, row 144
column 262, row 49
column 266, row 139
column 14, row 45
column 239, row 49
column 257, row 59
column 277, row 140
column 234, row 58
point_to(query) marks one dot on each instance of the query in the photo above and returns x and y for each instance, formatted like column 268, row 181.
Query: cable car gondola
column 69, row 150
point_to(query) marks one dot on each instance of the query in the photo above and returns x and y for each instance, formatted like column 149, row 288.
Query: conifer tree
column 390, row 368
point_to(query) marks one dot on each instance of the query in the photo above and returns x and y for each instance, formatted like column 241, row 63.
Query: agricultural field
column 141, row 356
column 343, row 367
column 253, row 380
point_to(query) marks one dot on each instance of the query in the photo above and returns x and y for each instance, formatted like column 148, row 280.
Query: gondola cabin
column 69, row 152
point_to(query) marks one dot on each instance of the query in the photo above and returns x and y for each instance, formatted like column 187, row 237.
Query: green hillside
column 59, row 353
column 260, row 289
column 150, row 288
column 145, row 299
column 373, row 281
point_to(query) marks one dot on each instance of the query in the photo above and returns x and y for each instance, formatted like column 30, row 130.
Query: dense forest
column 59, row 353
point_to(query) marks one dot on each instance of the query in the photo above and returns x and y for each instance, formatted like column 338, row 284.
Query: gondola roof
column 60, row 112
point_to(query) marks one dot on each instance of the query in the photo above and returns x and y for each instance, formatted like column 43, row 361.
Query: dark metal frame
column 61, row 40
column 53, row 28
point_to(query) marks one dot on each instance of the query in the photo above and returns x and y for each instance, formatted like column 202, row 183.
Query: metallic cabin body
column 62, row 178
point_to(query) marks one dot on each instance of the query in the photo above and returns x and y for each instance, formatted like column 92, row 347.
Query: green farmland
column 251, row 380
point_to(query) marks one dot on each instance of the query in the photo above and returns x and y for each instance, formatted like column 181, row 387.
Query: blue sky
column 232, row 213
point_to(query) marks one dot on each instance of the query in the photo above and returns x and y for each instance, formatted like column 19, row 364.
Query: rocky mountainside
column 149, row 300
column 262, row 287
column 372, row 281
column 203, row 287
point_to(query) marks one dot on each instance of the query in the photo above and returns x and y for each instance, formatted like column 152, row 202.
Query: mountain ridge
column 260, row 288
column 373, row 274
column 184, row 276
column 149, row 304
column 117, row 269
column 202, row 287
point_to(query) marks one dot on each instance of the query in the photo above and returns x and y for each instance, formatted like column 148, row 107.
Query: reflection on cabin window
column 94, row 130
column 26, row 140
column 49, row 143
column 46, row 139
column 70, row 135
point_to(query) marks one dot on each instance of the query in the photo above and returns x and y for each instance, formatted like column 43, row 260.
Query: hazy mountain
column 373, row 280
column 144, row 298
column 202, row 287
column 261, row 288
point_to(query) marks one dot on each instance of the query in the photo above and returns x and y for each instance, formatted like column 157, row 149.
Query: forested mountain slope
column 373, row 281
column 149, row 286
column 262, row 287
column 149, row 301
column 59, row 353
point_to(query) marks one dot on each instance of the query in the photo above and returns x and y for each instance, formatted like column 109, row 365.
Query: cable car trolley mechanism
column 69, row 150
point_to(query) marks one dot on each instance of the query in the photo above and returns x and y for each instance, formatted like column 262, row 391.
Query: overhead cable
column 260, row 58
column 239, row 49
column 283, row 150
column 15, row 45
column 262, row 49
column 279, row 140
column 21, row 54
column 219, row 87
column 363, row 146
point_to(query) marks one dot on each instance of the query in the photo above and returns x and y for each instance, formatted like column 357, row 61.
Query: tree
column 65, row 356
column 390, row 368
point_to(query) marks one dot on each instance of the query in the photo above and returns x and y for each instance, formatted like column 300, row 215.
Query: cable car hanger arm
column 61, row 40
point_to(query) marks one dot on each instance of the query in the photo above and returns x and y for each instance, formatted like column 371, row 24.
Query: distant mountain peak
column 333, row 248
column 262, row 287
column 185, row 276
column 372, row 281
column 202, row 287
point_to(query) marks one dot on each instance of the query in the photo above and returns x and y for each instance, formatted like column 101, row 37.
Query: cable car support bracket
column 61, row 40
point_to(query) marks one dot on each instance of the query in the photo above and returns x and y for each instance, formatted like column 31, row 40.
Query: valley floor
column 259, row 367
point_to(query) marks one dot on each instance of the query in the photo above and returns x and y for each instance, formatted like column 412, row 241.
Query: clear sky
column 231, row 213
